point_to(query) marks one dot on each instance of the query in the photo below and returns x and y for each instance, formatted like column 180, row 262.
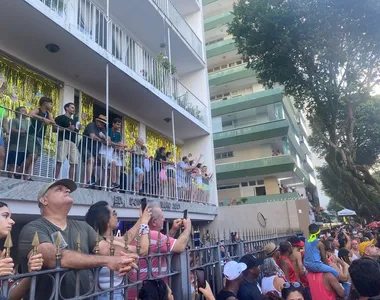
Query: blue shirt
column 115, row 136
column 312, row 254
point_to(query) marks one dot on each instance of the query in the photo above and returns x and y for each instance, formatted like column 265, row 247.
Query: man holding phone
column 160, row 243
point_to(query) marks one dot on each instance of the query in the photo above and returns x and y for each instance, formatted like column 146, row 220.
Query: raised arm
column 322, row 250
column 181, row 243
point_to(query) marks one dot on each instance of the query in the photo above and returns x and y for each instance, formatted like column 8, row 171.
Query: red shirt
column 318, row 289
column 292, row 273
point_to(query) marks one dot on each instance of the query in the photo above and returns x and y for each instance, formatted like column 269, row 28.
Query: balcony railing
column 174, row 269
column 92, row 21
column 181, row 25
column 38, row 152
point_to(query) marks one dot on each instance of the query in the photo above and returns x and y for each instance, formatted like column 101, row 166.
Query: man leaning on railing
column 54, row 227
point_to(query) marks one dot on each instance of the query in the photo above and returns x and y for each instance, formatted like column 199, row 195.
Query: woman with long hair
column 35, row 263
column 103, row 218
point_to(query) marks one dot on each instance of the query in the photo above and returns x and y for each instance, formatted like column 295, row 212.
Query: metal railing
column 92, row 21
column 181, row 25
column 179, row 271
column 50, row 152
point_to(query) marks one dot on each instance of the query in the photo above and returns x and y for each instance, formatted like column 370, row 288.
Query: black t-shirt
column 45, row 230
column 65, row 122
column 249, row 291
column 89, row 143
column 38, row 127
column 224, row 295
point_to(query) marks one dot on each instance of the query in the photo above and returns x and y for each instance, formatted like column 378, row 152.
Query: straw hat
column 102, row 118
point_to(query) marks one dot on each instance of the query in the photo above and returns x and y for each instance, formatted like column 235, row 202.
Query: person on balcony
column 34, row 263
column 56, row 231
column 39, row 119
column 103, row 218
column 113, row 156
column 94, row 136
column 137, row 163
column 17, row 142
column 67, row 139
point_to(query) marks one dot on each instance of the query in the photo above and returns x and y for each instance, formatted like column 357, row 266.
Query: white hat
column 232, row 269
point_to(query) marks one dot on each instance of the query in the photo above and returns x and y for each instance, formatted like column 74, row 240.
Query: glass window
column 260, row 191
column 251, row 183
column 260, row 182
column 244, row 184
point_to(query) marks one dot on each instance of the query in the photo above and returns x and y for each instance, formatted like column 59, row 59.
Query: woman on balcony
column 21, row 287
column 103, row 218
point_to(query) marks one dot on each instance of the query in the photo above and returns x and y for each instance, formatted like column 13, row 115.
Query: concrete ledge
column 26, row 192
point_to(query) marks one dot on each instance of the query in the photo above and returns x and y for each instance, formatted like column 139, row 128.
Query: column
column 271, row 185
column 66, row 95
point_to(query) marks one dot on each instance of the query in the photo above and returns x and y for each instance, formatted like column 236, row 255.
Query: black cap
column 251, row 261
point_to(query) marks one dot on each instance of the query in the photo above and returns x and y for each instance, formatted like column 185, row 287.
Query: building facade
column 260, row 139
column 141, row 61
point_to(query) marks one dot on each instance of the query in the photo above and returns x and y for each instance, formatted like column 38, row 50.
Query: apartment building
column 141, row 61
column 260, row 139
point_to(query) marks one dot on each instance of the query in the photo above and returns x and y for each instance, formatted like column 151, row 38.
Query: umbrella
column 374, row 225
column 346, row 212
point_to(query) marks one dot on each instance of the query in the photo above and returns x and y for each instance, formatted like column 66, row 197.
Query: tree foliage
column 326, row 54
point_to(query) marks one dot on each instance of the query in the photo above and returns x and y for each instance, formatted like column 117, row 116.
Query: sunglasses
column 287, row 285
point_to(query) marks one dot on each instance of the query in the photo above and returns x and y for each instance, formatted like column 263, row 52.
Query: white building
column 139, row 40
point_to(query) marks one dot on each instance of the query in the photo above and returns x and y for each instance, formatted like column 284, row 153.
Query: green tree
column 326, row 55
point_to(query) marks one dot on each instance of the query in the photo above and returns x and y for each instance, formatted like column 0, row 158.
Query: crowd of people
column 97, row 159
column 338, row 264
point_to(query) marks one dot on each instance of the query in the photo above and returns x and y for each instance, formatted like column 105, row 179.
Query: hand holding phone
column 185, row 212
column 143, row 204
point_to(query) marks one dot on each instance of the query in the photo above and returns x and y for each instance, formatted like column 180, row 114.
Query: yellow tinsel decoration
column 86, row 110
column 154, row 140
column 25, row 88
column 131, row 131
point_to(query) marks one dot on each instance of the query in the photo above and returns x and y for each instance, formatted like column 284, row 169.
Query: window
column 227, row 187
column 244, row 184
column 260, row 182
column 252, row 183
column 224, row 155
column 260, row 191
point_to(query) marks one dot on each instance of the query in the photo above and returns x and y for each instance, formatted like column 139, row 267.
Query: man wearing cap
column 273, row 251
column 55, row 202
column 371, row 251
column 250, row 288
column 233, row 272
column 94, row 136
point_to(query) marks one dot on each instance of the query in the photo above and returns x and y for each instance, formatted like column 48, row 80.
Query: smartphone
column 185, row 214
column 201, row 280
column 143, row 204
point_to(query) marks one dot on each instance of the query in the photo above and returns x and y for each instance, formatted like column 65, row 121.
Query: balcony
column 220, row 48
column 91, row 41
column 263, row 199
column 218, row 20
column 178, row 22
column 246, row 102
column 256, row 167
column 229, row 75
column 251, row 133
column 118, row 168
column 308, row 164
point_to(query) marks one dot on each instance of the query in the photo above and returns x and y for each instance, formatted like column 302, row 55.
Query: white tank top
column 267, row 285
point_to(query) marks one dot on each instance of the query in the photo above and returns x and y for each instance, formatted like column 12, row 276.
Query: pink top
column 318, row 289
column 153, row 249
